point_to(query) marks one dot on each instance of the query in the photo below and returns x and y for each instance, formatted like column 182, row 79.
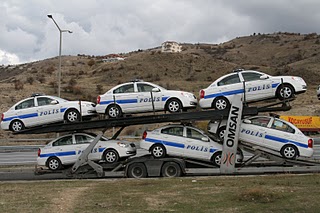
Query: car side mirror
column 155, row 89
column 263, row 77
column 205, row 139
column 54, row 102
column 247, row 121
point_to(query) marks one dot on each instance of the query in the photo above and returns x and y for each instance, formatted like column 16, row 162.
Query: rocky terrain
column 85, row 77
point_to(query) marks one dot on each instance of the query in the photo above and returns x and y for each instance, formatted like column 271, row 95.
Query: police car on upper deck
column 258, row 86
column 43, row 109
column 66, row 149
column 135, row 97
column 271, row 133
column 183, row 141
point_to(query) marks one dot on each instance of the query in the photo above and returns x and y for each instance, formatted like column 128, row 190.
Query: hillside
column 85, row 77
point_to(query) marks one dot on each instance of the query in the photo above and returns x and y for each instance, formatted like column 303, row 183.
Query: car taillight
column 39, row 152
column 310, row 143
column 144, row 135
column 2, row 116
column 201, row 94
column 98, row 99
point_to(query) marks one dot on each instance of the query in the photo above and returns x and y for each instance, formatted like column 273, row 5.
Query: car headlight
column 188, row 95
column 121, row 144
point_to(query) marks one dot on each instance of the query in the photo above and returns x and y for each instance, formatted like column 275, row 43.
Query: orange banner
column 304, row 123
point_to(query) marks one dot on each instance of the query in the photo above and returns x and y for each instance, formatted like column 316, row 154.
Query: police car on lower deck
column 257, row 86
column 43, row 109
column 66, row 149
column 183, row 141
column 271, row 133
column 135, row 97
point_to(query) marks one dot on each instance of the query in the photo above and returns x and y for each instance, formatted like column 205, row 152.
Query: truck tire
column 171, row 169
column 137, row 170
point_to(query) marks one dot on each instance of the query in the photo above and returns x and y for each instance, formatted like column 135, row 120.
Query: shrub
column 91, row 62
column 18, row 85
column 30, row 80
column 99, row 89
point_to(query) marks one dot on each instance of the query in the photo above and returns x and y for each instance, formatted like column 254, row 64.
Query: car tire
column 137, row 170
column 289, row 151
column 285, row 91
column 220, row 103
column 171, row 169
column 216, row 158
column 113, row 111
column 158, row 151
column 174, row 105
column 54, row 164
column 221, row 131
column 16, row 126
column 111, row 156
column 72, row 115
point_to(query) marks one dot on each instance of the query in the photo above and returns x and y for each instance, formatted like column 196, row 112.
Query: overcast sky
column 101, row 27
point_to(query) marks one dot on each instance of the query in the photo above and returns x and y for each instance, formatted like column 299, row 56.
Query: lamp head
column 49, row 16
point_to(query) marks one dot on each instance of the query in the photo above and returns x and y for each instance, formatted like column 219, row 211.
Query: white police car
column 183, row 141
column 258, row 86
column 135, row 97
column 43, row 109
column 270, row 132
column 318, row 92
column 66, row 149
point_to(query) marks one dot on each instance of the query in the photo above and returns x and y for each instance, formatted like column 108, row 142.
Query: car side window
column 25, row 104
column 80, row 139
column 251, row 76
column 177, row 131
column 124, row 89
column 63, row 141
column 260, row 121
column 231, row 79
column 42, row 101
column 279, row 125
column 144, row 87
column 191, row 133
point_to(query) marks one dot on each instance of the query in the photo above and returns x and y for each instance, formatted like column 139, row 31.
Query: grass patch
column 276, row 193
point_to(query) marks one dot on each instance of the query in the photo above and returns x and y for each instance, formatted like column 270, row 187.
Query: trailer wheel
column 216, row 158
column 137, row 170
column 289, row 151
column 158, row 151
column 171, row 169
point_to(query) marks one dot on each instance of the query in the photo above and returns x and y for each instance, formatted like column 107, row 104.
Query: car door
column 230, row 85
column 145, row 100
column 126, row 97
column 197, row 144
column 65, row 150
column 258, row 85
column 253, row 130
column 82, row 141
column 279, row 134
column 47, row 111
column 172, row 138
column 27, row 112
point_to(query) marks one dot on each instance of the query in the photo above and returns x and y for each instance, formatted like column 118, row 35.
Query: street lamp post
column 59, row 69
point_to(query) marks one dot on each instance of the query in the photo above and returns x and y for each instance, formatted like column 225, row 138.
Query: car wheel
column 285, row 91
column 221, row 103
column 137, row 170
column 158, row 151
column 216, row 158
column 111, row 156
column 174, row 105
column 221, row 131
column 289, row 151
column 113, row 111
column 54, row 163
column 16, row 126
column 72, row 115
column 171, row 169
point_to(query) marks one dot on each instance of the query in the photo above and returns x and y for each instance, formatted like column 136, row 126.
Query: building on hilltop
column 170, row 47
